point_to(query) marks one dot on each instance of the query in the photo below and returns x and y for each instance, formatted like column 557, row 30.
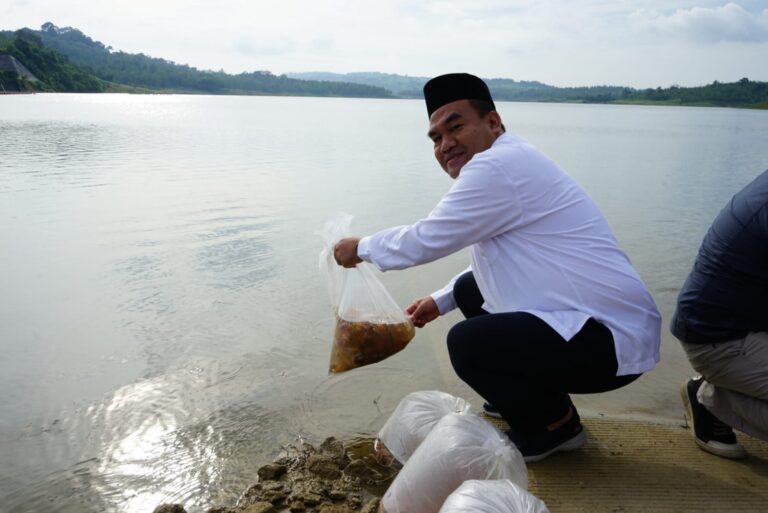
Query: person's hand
column 422, row 311
column 345, row 252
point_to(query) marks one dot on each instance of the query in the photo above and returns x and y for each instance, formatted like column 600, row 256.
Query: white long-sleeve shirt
column 538, row 243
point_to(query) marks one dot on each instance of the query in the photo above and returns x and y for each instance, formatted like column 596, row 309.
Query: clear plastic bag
column 458, row 448
column 497, row 496
column 410, row 423
column 370, row 326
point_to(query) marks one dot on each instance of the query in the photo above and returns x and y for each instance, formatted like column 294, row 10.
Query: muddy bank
column 333, row 477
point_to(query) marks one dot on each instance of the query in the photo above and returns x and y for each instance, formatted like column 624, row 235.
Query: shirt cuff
column 364, row 249
column 444, row 299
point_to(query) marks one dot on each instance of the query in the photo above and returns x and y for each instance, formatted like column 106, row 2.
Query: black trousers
column 518, row 363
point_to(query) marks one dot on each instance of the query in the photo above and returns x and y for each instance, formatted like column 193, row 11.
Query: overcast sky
column 638, row 43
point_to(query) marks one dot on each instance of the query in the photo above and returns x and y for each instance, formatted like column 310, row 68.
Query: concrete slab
column 633, row 466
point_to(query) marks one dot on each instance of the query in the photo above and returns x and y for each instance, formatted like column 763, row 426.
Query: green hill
column 404, row 86
column 158, row 74
column 65, row 59
column 744, row 93
column 53, row 71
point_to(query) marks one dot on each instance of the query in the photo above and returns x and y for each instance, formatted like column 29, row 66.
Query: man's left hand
column 345, row 252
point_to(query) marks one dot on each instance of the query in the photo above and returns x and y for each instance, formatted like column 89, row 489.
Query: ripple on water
column 357, row 402
column 172, row 438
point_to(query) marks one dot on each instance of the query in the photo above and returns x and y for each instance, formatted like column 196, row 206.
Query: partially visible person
column 722, row 322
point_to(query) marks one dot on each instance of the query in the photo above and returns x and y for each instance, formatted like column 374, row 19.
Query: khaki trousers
column 735, row 389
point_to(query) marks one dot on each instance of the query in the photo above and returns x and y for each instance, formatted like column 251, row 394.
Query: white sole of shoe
column 569, row 445
column 730, row 451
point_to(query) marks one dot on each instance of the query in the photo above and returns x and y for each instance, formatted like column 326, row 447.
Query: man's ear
column 494, row 121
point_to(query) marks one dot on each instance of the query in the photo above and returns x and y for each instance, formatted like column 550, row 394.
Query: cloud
column 727, row 23
column 256, row 46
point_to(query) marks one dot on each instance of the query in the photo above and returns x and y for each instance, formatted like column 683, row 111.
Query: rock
column 271, row 472
column 323, row 466
column 260, row 507
column 270, row 491
column 354, row 500
column 371, row 506
column 335, row 450
column 170, row 508
column 308, row 498
column 313, row 499
column 363, row 471
column 297, row 506
column 306, row 479
column 335, row 508
column 338, row 495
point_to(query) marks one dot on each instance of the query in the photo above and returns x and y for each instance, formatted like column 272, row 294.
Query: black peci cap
column 452, row 87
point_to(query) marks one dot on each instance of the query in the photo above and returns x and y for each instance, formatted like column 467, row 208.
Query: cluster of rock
column 306, row 479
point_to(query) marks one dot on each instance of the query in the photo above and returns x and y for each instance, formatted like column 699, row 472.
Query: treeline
column 54, row 72
column 65, row 59
column 511, row 90
column 160, row 74
column 504, row 89
column 744, row 93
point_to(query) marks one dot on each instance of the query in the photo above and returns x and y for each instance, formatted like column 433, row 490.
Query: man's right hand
column 422, row 311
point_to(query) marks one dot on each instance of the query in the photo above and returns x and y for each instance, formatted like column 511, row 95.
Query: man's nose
column 447, row 144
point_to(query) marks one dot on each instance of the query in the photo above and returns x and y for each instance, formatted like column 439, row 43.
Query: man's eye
column 437, row 140
column 455, row 127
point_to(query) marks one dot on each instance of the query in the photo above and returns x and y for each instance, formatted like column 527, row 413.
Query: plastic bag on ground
column 497, row 496
column 370, row 326
column 413, row 419
column 458, row 448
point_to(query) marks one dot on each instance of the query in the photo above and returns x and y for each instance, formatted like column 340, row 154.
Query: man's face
column 458, row 132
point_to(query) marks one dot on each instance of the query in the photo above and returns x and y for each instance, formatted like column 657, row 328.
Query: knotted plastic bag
column 458, row 448
column 370, row 326
column 410, row 423
column 497, row 496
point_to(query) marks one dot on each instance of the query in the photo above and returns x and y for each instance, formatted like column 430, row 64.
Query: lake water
column 163, row 325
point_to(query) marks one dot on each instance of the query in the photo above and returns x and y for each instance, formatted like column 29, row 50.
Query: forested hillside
column 53, row 70
column 65, row 59
column 503, row 89
column 744, row 93
column 160, row 74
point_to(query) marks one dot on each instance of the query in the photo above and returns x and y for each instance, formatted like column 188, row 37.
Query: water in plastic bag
column 370, row 326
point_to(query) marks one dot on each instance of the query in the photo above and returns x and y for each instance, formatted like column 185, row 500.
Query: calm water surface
column 163, row 327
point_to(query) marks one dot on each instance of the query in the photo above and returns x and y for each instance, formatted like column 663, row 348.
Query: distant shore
column 124, row 89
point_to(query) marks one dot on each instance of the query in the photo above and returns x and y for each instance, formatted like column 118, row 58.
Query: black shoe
column 710, row 433
column 536, row 447
column 491, row 411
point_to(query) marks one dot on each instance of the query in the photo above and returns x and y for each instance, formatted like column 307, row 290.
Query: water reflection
column 163, row 439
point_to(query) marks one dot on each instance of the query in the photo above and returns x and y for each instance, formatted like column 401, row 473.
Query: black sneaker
column 491, row 411
column 568, row 437
column 710, row 433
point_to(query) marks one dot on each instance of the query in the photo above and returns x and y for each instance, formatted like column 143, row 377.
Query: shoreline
column 334, row 477
column 628, row 465
column 124, row 89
